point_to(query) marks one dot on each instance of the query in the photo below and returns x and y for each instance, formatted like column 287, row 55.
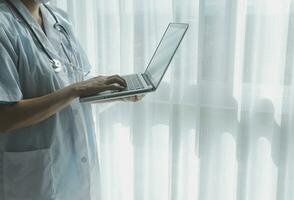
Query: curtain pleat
column 220, row 127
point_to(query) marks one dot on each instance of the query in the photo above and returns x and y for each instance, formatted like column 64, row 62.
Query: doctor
column 47, row 139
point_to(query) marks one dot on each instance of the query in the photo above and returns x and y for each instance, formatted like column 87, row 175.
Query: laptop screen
column 165, row 52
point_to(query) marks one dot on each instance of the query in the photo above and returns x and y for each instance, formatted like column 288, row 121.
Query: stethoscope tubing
column 55, row 63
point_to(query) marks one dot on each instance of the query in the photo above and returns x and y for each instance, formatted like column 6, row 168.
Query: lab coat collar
column 48, row 24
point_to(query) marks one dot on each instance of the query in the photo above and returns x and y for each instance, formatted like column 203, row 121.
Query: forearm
column 32, row 111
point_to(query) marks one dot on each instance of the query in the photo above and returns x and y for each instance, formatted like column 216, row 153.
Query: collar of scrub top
column 53, row 28
column 50, row 35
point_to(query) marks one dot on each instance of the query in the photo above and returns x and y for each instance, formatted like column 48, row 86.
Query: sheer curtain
column 220, row 127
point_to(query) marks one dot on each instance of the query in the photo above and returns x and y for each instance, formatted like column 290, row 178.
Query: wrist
column 74, row 91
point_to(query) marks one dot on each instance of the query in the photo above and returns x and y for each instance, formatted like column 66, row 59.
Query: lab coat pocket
column 28, row 175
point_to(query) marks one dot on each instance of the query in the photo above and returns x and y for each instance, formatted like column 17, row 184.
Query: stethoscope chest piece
column 57, row 66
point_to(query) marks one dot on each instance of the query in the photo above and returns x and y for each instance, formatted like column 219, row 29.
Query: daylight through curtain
column 220, row 127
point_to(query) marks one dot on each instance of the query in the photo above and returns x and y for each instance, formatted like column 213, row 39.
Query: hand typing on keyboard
column 133, row 82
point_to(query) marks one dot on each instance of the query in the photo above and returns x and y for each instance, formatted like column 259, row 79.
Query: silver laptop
column 149, row 80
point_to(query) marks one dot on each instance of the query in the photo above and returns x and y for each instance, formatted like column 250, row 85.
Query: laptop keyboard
column 133, row 82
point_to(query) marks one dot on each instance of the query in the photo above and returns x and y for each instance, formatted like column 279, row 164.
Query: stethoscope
column 55, row 63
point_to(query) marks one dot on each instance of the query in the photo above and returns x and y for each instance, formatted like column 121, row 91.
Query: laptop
column 148, row 81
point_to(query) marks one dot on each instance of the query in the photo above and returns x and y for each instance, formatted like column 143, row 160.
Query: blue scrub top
column 56, row 159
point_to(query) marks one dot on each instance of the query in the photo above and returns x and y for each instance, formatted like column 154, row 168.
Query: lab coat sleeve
column 10, row 89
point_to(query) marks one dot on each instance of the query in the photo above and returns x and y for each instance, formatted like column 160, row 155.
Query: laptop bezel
column 171, row 59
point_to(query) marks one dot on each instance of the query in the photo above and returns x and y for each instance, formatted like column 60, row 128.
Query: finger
column 134, row 98
column 139, row 97
column 113, row 87
column 114, row 80
column 128, row 99
column 120, row 78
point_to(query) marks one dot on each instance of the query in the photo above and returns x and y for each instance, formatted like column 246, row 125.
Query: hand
column 98, row 84
column 135, row 98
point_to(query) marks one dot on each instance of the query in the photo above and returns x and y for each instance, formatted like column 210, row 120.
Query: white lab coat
column 56, row 159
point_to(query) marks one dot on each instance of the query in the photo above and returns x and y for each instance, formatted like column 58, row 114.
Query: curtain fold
column 220, row 127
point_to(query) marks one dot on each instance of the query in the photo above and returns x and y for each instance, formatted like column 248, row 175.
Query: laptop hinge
column 148, row 81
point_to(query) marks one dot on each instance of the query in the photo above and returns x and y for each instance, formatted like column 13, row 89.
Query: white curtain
column 220, row 127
